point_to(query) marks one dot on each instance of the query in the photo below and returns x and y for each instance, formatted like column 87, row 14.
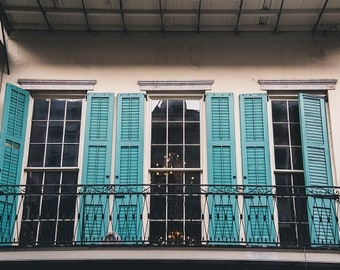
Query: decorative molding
column 57, row 85
column 322, row 84
column 178, row 86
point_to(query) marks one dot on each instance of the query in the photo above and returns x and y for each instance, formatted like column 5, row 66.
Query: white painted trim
column 60, row 85
column 180, row 86
column 165, row 254
column 322, row 84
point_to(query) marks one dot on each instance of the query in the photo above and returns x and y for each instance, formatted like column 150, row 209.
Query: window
column 49, row 211
column 289, row 174
column 175, row 165
column 302, row 164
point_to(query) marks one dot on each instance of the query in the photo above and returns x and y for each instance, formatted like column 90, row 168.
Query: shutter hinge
column 326, row 99
column 146, row 96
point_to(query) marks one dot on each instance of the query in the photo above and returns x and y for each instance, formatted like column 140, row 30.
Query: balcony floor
column 202, row 257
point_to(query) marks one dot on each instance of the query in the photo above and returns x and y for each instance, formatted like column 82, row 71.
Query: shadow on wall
column 179, row 49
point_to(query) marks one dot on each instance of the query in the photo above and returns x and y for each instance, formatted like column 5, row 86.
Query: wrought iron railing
column 170, row 215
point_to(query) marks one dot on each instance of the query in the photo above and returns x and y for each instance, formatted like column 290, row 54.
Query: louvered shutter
column 96, row 167
column 223, row 208
column 14, row 120
column 129, row 167
column 258, row 206
column 317, row 168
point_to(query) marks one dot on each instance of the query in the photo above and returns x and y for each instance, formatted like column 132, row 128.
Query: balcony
column 172, row 215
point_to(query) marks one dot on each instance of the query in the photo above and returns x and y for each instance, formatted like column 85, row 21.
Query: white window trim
column 168, row 87
column 65, row 88
column 306, row 85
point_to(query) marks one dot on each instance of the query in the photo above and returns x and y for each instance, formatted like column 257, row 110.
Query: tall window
column 289, row 173
column 52, row 172
column 175, row 171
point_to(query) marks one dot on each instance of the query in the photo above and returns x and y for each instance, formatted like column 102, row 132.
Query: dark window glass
column 158, row 156
column 159, row 110
column 281, row 136
column 297, row 158
column 70, row 157
column 57, row 110
column 175, row 110
column 55, row 132
column 295, row 134
column 192, row 110
column 282, row 158
column 192, row 133
column 38, row 132
column 175, row 133
column 36, row 155
column 158, row 134
column 40, row 109
column 192, row 156
column 53, row 155
column 73, row 110
column 294, row 111
column 72, row 132
column 279, row 111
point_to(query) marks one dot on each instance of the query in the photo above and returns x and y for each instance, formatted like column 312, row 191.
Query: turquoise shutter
column 258, row 205
column 223, row 207
column 129, row 167
column 12, row 145
column 96, row 167
column 317, row 168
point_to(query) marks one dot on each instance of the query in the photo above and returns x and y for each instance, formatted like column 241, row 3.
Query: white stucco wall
column 235, row 63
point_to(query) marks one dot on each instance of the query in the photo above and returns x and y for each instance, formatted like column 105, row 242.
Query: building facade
column 175, row 143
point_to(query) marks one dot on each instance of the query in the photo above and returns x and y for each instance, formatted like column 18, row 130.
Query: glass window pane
column 282, row 158
column 72, row 131
column 294, row 111
column 295, row 134
column 192, row 156
column 158, row 199
column 53, row 155
column 158, row 135
column 65, row 231
column 192, row 112
column 158, row 157
column 70, row 157
column 57, row 110
column 47, row 232
column 159, row 108
column 73, row 110
column 281, row 136
column 175, row 157
column 36, row 155
column 175, row 110
column 40, row 109
column 297, row 158
column 192, row 133
column 175, row 133
column 28, row 232
column 55, row 132
column 38, row 131
column 279, row 111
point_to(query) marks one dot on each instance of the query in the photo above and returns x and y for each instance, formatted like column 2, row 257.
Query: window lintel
column 314, row 84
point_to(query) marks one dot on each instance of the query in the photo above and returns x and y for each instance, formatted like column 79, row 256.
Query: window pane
column 40, row 109
column 47, row 232
column 32, row 202
column 192, row 156
column 175, row 157
column 192, row 133
column 192, row 112
column 158, row 157
column 57, row 110
column 65, row 231
column 279, row 111
column 281, row 134
column 53, row 155
column 175, row 133
column 159, row 108
column 158, row 197
column 282, row 158
column 72, row 131
column 297, row 158
column 158, row 135
column 38, row 132
column 70, row 157
column 73, row 110
column 36, row 155
column 175, row 110
column 295, row 134
column 294, row 111
column 55, row 132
